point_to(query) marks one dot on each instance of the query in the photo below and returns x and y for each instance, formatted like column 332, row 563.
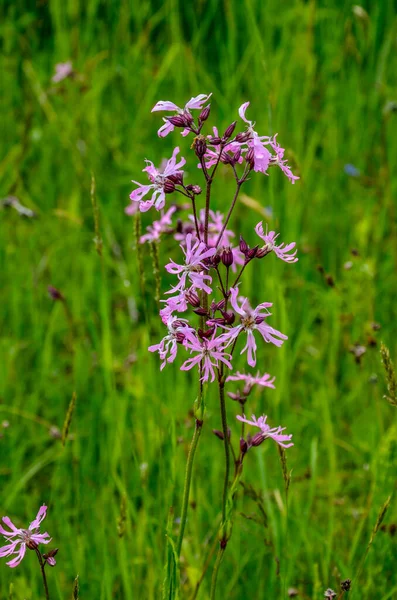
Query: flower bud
column 257, row 439
column 243, row 446
column 177, row 120
column 176, row 178
column 227, row 257
column 168, row 186
column 217, row 305
column 193, row 298
column 205, row 113
column 243, row 137
column 264, row 251
column 345, row 585
column 215, row 260
column 243, row 245
column 195, row 189
column 226, row 159
column 237, row 155
column 219, row 434
column 229, row 317
column 200, row 146
column 229, row 131
column 200, row 311
column 206, row 334
column 32, row 545
column 215, row 141
column 252, row 252
column 250, row 158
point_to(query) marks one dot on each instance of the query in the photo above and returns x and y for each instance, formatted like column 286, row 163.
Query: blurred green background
column 321, row 74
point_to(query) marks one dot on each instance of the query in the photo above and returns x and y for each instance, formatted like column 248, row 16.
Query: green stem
column 42, row 568
column 215, row 572
column 188, row 479
column 225, row 443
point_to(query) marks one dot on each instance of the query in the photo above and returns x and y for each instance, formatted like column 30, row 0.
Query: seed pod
column 227, row 257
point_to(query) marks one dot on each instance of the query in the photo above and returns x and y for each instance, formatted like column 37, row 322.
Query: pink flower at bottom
column 266, row 432
column 20, row 539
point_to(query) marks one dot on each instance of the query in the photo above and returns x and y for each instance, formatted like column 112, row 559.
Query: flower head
column 284, row 252
column 278, row 159
column 256, row 142
column 177, row 330
column 194, row 268
column 250, row 381
column 266, row 432
column 251, row 320
column 184, row 113
column 20, row 539
column 155, row 230
column 160, row 184
column 208, row 354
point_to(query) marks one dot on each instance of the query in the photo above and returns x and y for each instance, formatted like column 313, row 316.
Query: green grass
column 321, row 77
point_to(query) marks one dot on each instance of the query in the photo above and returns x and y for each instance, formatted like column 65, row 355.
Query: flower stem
column 42, row 568
column 215, row 572
column 188, row 479
column 229, row 214
column 225, row 443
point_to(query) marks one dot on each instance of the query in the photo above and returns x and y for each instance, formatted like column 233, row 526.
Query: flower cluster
column 208, row 276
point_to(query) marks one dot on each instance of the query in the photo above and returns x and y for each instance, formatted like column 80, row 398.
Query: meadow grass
column 321, row 74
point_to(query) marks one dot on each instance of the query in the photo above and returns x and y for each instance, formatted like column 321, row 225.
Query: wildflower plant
column 19, row 540
column 208, row 318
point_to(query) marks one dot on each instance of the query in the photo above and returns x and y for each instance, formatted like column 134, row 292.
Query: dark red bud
column 196, row 189
column 243, row 446
column 227, row 257
column 215, row 141
column 205, row 113
column 229, row 317
column 180, row 337
column 257, row 439
column 250, row 158
column 177, row 120
column 243, row 245
column 201, row 311
column 252, row 252
column 219, row 434
column 32, row 545
column 215, row 260
column 218, row 305
column 237, row 154
column 262, row 252
column 229, row 130
column 188, row 118
column 243, row 137
column 176, row 178
column 206, row 334
column 226, row 159
column 168, row 186
column 200, row 146
column 193, row 298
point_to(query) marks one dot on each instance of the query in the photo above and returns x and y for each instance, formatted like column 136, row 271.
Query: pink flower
column 62, row 71
column 177, row 329
column 24, row 538
column 159, row 184
column 194, row 266
column 278, row 160
column 209, row 353
column 155, row 230
column 282, row 250
column 265, row 380
column 275, row 433
column 252, row 320
column 257, row 142
column 194, row 103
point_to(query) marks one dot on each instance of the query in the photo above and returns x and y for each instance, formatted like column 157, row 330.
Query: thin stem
column 42, row 568
column 188, row 479
column 239, row 275
column 193, row 199
column 215, row 572
column 225, row 443
column 239, row 183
